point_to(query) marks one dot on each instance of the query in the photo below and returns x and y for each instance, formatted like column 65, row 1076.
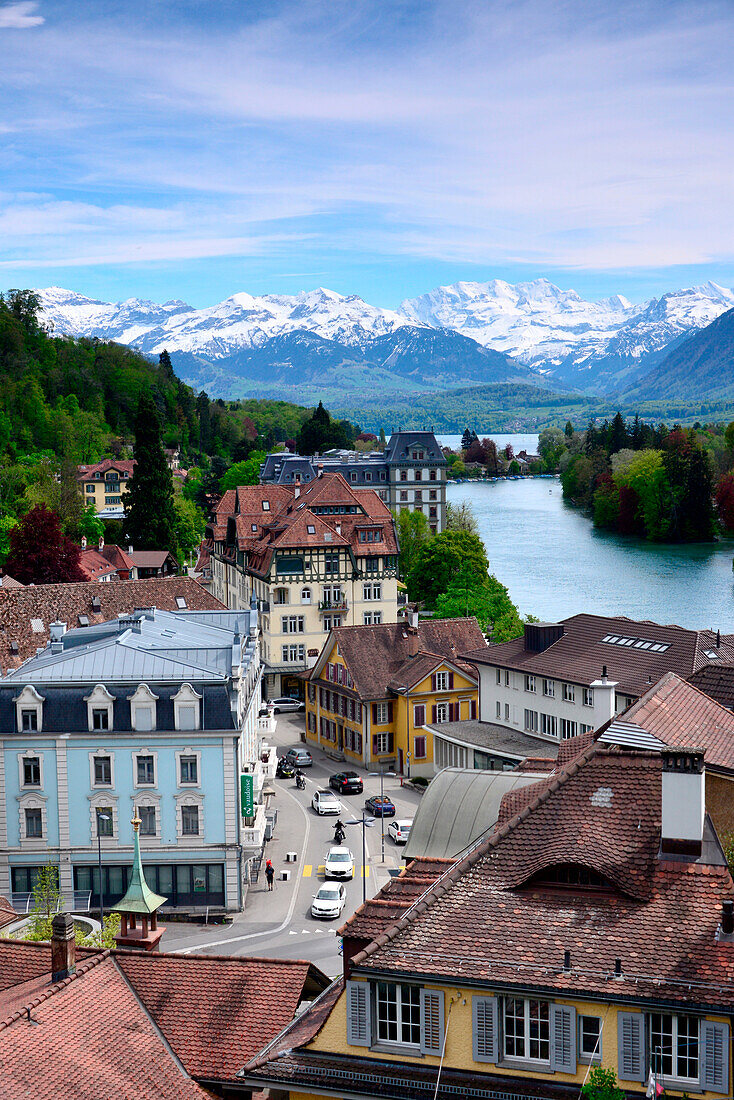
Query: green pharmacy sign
column 247, row 795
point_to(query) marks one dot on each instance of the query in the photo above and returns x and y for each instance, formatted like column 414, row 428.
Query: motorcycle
column 285, row 769
column 300, row 782
column 339, row 833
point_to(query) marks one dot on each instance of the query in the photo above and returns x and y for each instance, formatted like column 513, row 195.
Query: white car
column 339, row 863
column 326, row 802
column 329, row 901
column 286, row 703
column 399, row 831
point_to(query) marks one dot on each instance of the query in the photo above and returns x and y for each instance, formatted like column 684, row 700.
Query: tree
column 40, row 552
column 490, row 451
column 413, row 532
column 320, row 433
column 460, row 517
column 509, row 452
column 441, row 559
column 382, row 442
column 489, row 602
column 724, row 502
column 568, row 430
column 243, row 473
column 551, row 445
column 90, row 525
column 45, row 898
column 467, row 439
column 150, row 520
column 619, row 436
column 475, row 452
column 189, row 524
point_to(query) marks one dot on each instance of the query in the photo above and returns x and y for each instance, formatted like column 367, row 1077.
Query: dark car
column 380, row 807
column 285, row 770
column 346, row 783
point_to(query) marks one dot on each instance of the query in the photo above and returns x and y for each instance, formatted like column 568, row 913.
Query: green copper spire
column 139, row 897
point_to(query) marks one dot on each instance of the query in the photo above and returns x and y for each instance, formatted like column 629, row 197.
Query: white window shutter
column 432, row 1001
column 715, row 1057
column 563, row 1038
column 631, row 1045
column 358, row 1014
column 484, row 1026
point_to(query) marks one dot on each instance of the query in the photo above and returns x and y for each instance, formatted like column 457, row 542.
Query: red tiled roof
column 95, row 565
column 7, row 914
column 378, row 656
column 36, row 606
column 7, row 581
column 218, row 1012
column 579, row 655
column 394, row 899
column 87, row 473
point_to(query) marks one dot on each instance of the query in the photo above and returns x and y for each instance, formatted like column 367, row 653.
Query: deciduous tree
column 40, row 552
column 441, row 559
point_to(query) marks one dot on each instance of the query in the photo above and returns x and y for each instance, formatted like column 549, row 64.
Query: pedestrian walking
column 269, row 874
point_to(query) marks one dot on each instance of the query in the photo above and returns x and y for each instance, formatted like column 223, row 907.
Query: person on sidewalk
column 269, row 874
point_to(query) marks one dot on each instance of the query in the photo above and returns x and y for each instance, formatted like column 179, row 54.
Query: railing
column 254, row 835
column 333, row 605
column 80, row 902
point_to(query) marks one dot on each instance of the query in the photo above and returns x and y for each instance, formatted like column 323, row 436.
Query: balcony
column 253, row 836
column 327, row 607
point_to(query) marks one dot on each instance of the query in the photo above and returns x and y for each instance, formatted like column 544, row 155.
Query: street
column 279, row 923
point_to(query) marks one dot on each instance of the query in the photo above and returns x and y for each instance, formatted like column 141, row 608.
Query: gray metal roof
column 457, row 808
column 494, row 738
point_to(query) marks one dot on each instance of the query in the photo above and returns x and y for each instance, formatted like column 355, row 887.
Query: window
column 104, row 821
column 588, row 697
column 527, row 1029
column 147, row 820
column 293, row 653
column 398, row 1013
column 529, row 683
column 145, row 769
column 189, row 766
column 33, row 823
column 442, row 681
column 102, row 771
column 382, row 714
column 89, row 487
column 31, row 771
column 403, row 494
column 331, row 622
column 531, row 721
column 113, row 500
column 583, row 728
column 266, row 506
column 331, row 565
column 292, row 624
column 281, row 595
column 507, row 712
column 186, row 704
column 568, row 728
column 499, row 675
column 143, row 718
column 549, row 689
column 569, row 693
column 403, row 475
column 674, row 1046
column 420, row 748
column 29, row 719
column 442, row 712
column 432, row 475
column 549, row 725
column 372, row 591
column 590, row 1038
column 100, row 718
column 190, row 820
column 305, row 595
column 371, row 565
column 507, row 677
column 372, row 618
column 498, row 709
column 418, row 475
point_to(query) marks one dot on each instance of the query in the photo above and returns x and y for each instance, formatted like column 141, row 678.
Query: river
column 555, row 563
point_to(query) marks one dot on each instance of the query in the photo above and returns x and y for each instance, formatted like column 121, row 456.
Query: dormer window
column 29, row 710
column 99, row 709
column 570, row 876
column 186, row 708
column 143, row 708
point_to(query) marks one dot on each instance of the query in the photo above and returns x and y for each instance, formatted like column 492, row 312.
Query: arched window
column 305, row 595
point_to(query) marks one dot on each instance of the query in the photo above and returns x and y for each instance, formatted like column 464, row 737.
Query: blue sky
column 377, row 147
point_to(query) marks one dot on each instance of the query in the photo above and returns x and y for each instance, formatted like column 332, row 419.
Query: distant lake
column 526, row 442
column 555, row 563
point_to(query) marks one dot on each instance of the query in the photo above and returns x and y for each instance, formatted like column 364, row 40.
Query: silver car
column 286, row 703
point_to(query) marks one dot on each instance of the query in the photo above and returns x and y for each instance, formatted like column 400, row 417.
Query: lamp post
column 382, row 775
column 100, row 818
column 365, row 822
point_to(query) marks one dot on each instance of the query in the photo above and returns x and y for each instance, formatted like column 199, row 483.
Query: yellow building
column 593, row 928
column 104, row 485
column 375, row 691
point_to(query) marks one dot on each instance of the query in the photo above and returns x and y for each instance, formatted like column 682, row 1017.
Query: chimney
column 718, row 639
column 129, row 548
column 297, row 492
column 320, row 470
column 414, row 619
column 100, row 545
column 605, row 698
column 56, row 631
column 683, row 802
column 84, row 542
column 63, row 947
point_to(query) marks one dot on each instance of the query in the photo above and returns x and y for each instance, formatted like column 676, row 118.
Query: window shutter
column 389, row 712
column 434, row 682
column 374, row 714
column 473, row 708
column 390, row 742
column 434, row 713
column 358, row 1014
column 451, row 681
column 484, row 1016
column 715, row 1049
column 563, row 1038
column 432, row 1021
column 420, row 715
column 631, row 1044
column 375, row 746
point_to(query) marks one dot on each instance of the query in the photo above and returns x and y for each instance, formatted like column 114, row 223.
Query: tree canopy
column 441, row 559
column 40, row 552
column 150, row 520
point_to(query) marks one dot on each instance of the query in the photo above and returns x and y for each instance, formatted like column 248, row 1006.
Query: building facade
column 315, row 558
column 154, row 712
column 375, row 692
column 104, row 485
column 410, row 475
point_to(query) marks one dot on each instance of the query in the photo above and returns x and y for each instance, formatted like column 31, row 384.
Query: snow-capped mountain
column 551, row 334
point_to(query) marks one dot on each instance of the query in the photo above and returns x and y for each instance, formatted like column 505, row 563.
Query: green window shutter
column 715, row 1057
column 358, row 1014
column 432, row 1027
column 631, row 1046
column 563, row 1038
column 484, row 1025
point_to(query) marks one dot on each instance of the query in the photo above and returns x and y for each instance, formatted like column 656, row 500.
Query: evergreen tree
column 150, row 520
column 382, row 443
column 203, row 410
column 636, row 439
column 466, row 440
column 568, row 430
column 619, row 436
column 320, row 433
column 166, row 366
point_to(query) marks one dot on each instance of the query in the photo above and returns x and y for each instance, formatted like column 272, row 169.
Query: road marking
column 321, row 870
column 307, row 870
column 365, row 872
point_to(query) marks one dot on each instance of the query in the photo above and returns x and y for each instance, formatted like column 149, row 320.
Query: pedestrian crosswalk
column 308, row 871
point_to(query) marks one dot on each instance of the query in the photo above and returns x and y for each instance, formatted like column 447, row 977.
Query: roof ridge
column 79, row 972
column 159, row 956
column 440, row 885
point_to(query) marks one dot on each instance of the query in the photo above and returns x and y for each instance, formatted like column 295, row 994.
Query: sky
column 191, row 150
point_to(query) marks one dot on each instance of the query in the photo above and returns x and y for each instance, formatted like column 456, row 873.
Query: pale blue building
column 156, row 711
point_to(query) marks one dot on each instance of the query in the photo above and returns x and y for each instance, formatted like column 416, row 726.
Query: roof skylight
column 635, row 643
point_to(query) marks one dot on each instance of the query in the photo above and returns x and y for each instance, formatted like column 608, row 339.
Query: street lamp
column 382, row 774
column 100, row 818
column 368, row 822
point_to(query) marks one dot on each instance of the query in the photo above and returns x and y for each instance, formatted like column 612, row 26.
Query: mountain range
column 328, row 345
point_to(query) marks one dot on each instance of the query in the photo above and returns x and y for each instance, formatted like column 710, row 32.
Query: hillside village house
column 157, row 712
column 316, row 558
column 374, row 690
column 104, row 485
column 594, row 926
column 410, row 474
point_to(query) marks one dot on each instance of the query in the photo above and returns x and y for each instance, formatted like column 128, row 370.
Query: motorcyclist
column 300, row 781
column 339, row 831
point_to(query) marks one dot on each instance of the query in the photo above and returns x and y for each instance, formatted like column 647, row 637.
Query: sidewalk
column 290, row 835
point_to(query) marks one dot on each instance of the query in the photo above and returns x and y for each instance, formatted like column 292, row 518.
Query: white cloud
column 20, row 15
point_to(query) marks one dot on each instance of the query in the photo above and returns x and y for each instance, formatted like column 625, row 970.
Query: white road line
column 268, row 931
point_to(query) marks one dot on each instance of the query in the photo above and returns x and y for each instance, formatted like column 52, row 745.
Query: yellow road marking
column 307, row 870
column 365, row 872
column 321, row 870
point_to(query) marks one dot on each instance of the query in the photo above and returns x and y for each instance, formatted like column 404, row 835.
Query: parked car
column 285, row 770
column 299, row 758
column 339, row 863
column 380, row 807
column 399, row 831
column 286, row 703
column 329, row 901
column 326, row 802
column 346, row 783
